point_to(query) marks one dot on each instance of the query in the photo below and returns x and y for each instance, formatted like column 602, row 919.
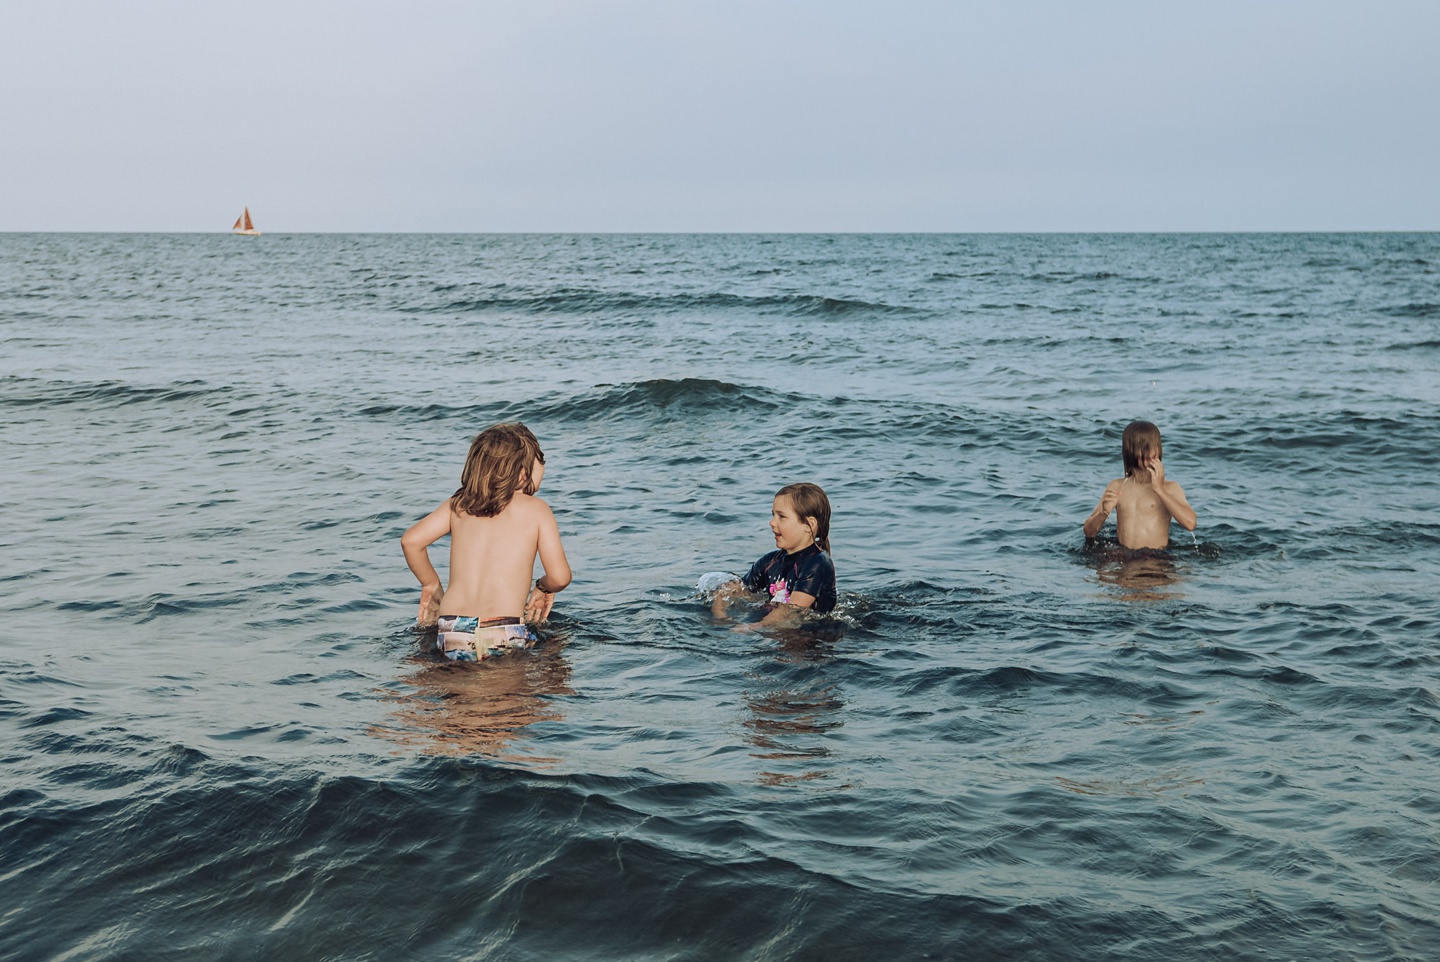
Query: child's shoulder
column 528, row 506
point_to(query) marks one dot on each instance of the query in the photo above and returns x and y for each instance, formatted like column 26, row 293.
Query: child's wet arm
column 552, row 556
column 726, row 593
column 1173, row 497
column 781, row 614
column 800, row 599
column 1096, row 520
column 417, row 540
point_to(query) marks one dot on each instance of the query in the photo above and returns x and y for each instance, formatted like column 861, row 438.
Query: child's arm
column 730, row 590
column 787, row 612
column 557, row 569
column 1172, row 496
column 416, row 543
column 781, row 615
column 726, row 593
column 1096, row 521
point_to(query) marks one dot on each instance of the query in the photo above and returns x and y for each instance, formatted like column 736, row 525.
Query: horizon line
column 776, row 233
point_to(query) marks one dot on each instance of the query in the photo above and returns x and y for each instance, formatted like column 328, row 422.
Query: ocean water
column 223, row 739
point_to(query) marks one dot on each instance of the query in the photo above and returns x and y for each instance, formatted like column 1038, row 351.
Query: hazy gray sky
column 666, row 115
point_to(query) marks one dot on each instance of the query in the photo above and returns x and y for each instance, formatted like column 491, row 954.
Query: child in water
column 497, row 526
column 1143, row 501
column 798, row 573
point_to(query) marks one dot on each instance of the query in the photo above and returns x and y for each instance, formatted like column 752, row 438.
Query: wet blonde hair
column 497, row 466
column 1140, row 442
column 809, row 501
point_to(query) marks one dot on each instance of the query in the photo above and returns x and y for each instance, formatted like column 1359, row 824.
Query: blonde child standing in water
column 798, row 573
column 497, row 527
column 1143, row 501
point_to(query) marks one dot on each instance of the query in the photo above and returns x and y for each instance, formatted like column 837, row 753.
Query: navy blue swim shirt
column 809, row 570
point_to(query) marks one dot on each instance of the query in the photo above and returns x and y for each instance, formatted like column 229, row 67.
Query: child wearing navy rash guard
column 798, row 573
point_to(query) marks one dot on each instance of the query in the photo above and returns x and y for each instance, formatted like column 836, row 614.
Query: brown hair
column 810, row 502
column 1140, row 442
column 497, row 466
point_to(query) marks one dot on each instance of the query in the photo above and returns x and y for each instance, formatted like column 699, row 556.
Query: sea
column 222, row 737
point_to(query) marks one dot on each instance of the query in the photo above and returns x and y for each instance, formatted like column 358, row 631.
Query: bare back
column 492, row 560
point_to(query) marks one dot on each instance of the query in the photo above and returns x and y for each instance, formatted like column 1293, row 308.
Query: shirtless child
column 1143, row 501
column 497, row 526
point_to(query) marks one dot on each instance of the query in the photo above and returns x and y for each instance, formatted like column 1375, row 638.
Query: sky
column 741, row 115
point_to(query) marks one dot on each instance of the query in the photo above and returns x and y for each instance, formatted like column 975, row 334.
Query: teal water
column 225, row 741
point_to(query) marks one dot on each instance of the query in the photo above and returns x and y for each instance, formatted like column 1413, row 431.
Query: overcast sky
column 667, row 115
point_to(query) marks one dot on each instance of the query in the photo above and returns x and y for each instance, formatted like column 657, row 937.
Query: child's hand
column 429, row 612
column 1157, row 472
column 1108, row 500
column 538, row 605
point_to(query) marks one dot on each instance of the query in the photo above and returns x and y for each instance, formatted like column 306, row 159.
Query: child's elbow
column 559, row 581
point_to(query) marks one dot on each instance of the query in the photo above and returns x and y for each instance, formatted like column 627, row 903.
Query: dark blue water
column 223, row 741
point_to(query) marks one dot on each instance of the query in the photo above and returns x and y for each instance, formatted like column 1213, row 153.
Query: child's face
column 537, row 474
column 791, row 532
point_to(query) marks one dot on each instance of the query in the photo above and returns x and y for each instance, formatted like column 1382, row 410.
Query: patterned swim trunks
column 461, row 638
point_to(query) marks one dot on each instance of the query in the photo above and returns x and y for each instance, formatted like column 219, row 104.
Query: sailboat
column 244, row 225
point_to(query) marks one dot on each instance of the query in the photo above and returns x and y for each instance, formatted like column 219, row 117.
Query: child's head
column 812, row 508
column 503, row 459
column 1140, row 443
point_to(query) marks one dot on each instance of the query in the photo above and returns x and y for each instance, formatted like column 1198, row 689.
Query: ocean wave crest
column 27, row 391
column 688, row 396
column 586, row 301
column 1415, row 309
column 1343, row 435
column 693, row 397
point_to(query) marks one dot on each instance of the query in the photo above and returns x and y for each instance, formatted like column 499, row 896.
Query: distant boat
column 244, row 225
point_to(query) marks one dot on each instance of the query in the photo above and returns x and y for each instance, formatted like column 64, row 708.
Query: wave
column 489, row 413
column 28, row 391
column 585, row 301
column 1346, row 438
column 688, row 396
column 1068, row 277
column 701, row 396
column 844, row 423
column 1418, row 309
column 615, row 867
column 1379, row 539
